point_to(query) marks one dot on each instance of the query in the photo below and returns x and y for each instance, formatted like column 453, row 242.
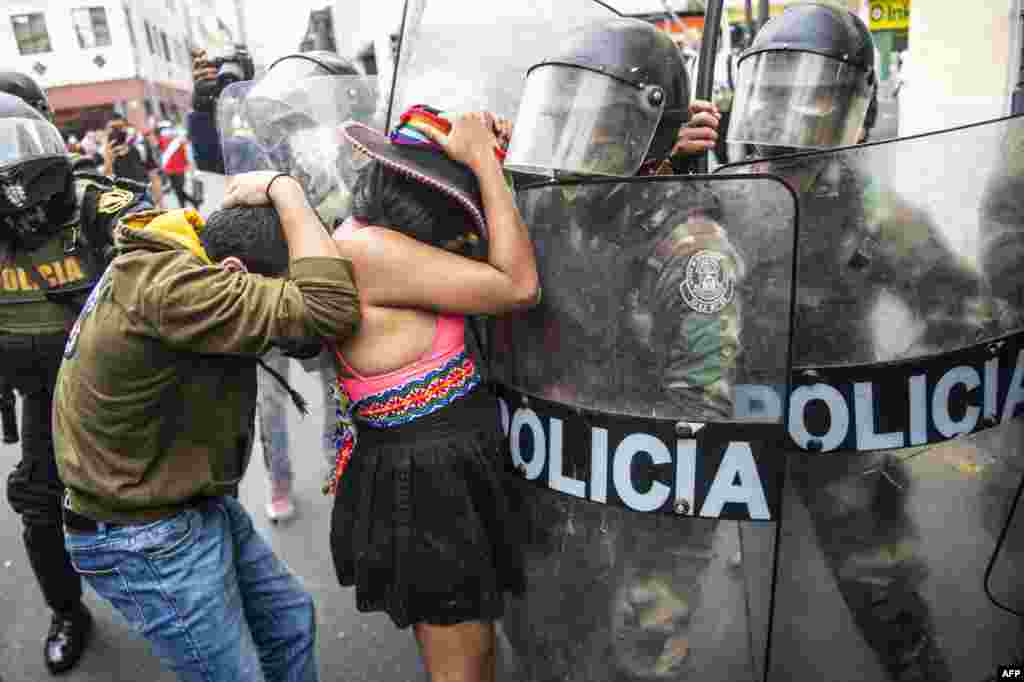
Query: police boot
column 66, row 641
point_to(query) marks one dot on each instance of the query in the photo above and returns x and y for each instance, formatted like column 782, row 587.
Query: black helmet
column 24, row 87
column 36, row 187
column 287, row 84
column 806, row 81
column 613, row 96
column 312, row 63
column 297, row 79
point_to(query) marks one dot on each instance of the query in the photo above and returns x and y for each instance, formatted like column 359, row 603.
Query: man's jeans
column 207, row 592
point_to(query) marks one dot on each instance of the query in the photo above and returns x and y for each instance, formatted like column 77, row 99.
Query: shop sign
column 887, row 15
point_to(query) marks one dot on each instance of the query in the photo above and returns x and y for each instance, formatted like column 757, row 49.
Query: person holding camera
column 121, row 157
column 55, row 234
column 154, row 414
column 210, row 76
column 124, row 156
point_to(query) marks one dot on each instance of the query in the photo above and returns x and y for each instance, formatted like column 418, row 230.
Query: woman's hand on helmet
column 472, row 139
column 503, row 129
column 701, row 132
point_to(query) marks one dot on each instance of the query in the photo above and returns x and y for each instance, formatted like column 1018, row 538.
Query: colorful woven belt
column 398, row 405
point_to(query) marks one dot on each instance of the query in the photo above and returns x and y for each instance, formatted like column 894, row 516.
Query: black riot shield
column 907, row 446
column 643, row 493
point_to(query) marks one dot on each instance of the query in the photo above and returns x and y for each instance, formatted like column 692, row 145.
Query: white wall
column 160, row 17
column 959, row 63
column 68, row 64
column 357, row 22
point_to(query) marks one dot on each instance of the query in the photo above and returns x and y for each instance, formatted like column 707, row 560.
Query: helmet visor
column 23, row 138
column 578, row 122
column 296, row 132
column 799, row 100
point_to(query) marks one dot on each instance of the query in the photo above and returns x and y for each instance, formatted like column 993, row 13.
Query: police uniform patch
column 15, row 194
column 709, row 285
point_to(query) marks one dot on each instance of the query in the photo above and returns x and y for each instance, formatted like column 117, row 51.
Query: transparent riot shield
column 618, row 396
column 293, row 128
column 907, row 446
column 465, row 56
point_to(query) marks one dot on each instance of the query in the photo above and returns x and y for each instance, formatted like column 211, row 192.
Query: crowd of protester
column 159, row 156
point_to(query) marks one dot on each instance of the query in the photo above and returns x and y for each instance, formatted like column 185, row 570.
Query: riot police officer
column 54, row 239
column 1001, row 222
column 611, row 102
column 806, row 84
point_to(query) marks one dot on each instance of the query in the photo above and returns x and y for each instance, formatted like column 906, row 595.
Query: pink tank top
column 443, row 375
column 449, row 341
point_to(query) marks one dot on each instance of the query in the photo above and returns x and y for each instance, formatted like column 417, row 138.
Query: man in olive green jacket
column 153, row 425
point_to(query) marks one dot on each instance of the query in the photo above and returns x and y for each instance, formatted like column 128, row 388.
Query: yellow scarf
column 181, row 225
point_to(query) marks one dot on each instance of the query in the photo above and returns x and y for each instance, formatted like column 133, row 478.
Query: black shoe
column 69, row 633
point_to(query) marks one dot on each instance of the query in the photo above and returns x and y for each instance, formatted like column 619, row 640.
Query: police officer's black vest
column 71, row 259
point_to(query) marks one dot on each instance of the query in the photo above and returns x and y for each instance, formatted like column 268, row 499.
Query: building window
column 167, row 48
column 91, row 27
column 149, row 37
column 30, row 32
column 131, row 26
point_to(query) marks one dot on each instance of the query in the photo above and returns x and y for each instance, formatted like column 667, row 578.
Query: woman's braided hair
column 385, row 197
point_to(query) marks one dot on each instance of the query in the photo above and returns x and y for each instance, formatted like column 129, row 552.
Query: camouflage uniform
column 858, row 241
column 616, row 322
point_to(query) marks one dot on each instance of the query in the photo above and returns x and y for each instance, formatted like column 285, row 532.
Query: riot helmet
column 285, row 91
column 613, row 97
column 25, row 87
column 805, row 82
column 36, row 186
column 288, row 120
column 313, row 63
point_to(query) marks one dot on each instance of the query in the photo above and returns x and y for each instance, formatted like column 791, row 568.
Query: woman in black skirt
column 422, row 522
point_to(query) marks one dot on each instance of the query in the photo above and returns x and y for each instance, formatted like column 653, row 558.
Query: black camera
column 231, row 68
